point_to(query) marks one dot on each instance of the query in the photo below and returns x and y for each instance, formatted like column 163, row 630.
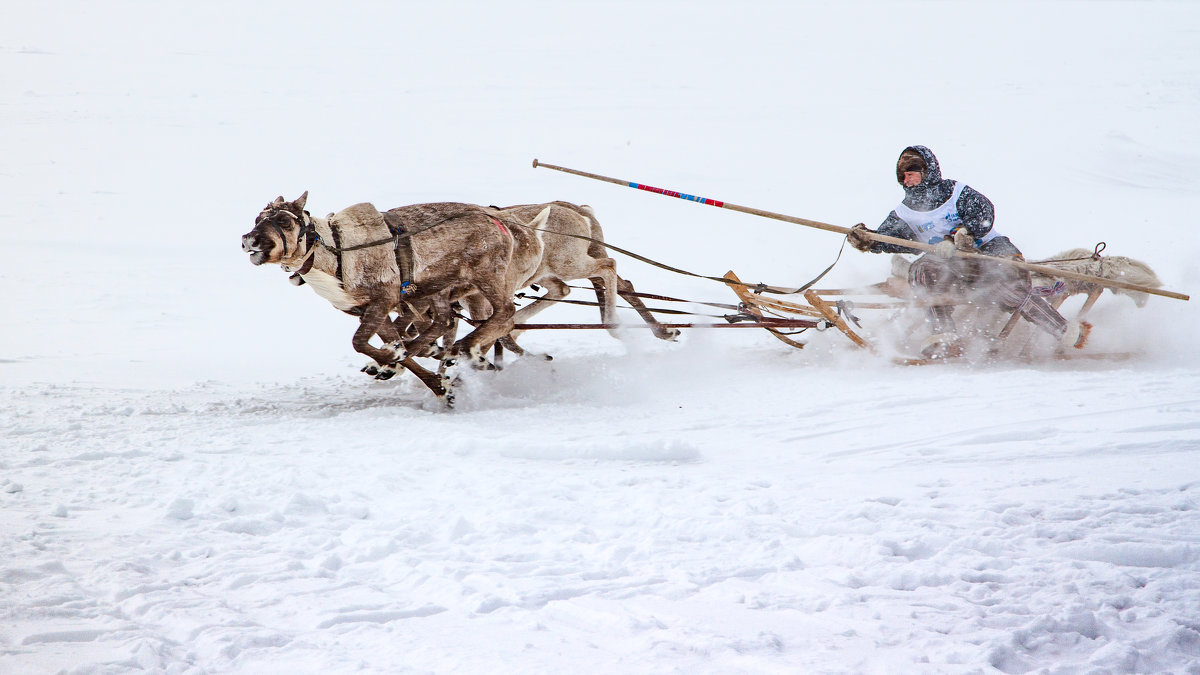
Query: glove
column 963, row 240
column 944, row 249
column 857, row 240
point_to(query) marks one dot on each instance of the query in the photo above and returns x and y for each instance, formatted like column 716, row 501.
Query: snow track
column 334, row 524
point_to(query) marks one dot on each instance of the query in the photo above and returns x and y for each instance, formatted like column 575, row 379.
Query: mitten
column 856, row 238
column 963, row 240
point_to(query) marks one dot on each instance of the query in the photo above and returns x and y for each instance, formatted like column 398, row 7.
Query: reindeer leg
column 392, row 332
column 479, row 308
column 626, row 290
column 603, row 276
column 1092, row 297
column 391, row 338
column 441, row 321
column 371, row 322
column 437, row 382
column 507, row 342
column 496, row 326
column 444, row 353
column 555, row 290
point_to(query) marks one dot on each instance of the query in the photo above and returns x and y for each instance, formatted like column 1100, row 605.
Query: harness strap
column 306, row 264
column 310, row 243
column 1094, row 256
column 757, row 288
column 656, row 310
column 404, row 261
column 497, row 223
column 401, row 241
column 653, row 296
column 282, row 236
column 337, row 248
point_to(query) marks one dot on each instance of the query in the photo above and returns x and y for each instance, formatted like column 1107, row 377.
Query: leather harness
column 401, row 240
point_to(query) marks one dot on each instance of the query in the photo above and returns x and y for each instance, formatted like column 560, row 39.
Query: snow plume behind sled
column 889, row 319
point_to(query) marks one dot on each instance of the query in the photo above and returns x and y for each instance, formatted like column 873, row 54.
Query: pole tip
column 535, row 163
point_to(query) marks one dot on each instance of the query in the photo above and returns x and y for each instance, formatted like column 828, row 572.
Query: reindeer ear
column 299, row 203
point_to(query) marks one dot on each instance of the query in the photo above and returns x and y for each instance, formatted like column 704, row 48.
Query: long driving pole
column 907, row 243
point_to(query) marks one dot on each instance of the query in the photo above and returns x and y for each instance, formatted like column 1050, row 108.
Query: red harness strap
column 499, row 225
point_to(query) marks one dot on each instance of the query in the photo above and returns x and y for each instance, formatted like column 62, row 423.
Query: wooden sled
column 890, row 302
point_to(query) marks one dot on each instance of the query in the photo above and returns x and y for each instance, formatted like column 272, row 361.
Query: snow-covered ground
column 195, row 478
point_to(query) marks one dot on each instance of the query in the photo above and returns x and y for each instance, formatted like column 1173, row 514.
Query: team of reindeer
column 408, row 274
column 456, row 256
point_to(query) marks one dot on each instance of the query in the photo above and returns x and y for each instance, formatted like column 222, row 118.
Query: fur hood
column 933, row 190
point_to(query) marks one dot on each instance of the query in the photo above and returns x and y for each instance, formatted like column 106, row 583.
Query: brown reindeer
column 428, row 318
column 350, row 259
column 574, row 249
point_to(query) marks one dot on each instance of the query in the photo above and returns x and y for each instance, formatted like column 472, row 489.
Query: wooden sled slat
column 817, row 306
column 752, row 308
column 832, row 317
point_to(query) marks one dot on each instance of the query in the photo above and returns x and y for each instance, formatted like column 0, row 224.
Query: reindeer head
column 278, row 232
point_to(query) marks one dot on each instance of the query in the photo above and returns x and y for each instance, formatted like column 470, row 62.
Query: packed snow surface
column 195, row 478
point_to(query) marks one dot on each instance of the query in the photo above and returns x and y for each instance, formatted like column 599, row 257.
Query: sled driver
column 951, row 215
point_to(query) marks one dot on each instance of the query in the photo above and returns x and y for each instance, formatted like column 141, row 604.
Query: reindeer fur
column 574, row 249
column 467, row 250
column 1115, row 267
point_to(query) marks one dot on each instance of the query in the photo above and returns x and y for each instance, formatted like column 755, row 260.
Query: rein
column 756, row 288
column 657, row 310
column 401, row 236
column 1094, row 256
column 667, row 298
column 396, row 238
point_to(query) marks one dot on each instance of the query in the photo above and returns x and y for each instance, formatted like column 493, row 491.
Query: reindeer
column 572, row 245
column 1083, row 261
column 350, row 258
column 574, row 249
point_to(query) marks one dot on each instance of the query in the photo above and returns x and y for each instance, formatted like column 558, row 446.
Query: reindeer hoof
column 480, row 362
column 380, row 372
